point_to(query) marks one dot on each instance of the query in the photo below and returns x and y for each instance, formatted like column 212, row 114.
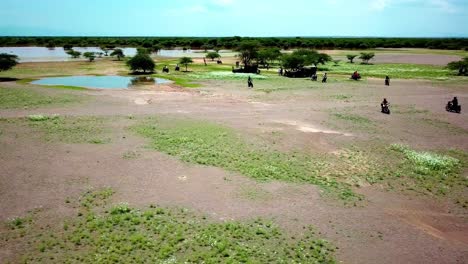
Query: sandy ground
column 389, row 228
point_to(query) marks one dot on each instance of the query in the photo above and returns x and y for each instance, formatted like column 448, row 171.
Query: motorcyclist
column 384, row 104
column 455, row 102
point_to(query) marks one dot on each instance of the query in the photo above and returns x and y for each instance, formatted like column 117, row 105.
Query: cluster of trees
column 304, row 57
column 91, row 56
column 158, row 43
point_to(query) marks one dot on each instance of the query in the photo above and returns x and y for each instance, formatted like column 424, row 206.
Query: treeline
column 234, row 42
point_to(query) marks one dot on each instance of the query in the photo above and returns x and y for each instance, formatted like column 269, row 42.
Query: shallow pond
column 101, row 82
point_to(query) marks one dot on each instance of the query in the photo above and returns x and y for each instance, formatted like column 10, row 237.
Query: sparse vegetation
column 72, row 129
column 209, row 144
column 27, row 98
column 166, row 235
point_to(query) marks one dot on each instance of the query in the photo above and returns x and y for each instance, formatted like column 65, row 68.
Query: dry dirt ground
column 390, row 227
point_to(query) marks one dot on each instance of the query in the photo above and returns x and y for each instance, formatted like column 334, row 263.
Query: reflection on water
column 43, row 54
column 101, row 82
column 142, row 80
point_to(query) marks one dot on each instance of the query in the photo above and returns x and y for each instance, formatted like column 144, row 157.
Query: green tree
column 213, row 55
column 185, row 61
column 156, row 48
column 105, row 50
column 90, row 56
column 366, row 57
column 118, row 53
column 7, row 61
column 67, row 47
column 269, row 55
column 248, row 52
column 351, row 57
column 304, row 57
column 143, row 51
column 141, row 62
column 460, row 66
column 74, row 54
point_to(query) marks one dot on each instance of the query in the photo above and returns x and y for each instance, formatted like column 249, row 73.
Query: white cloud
column 444, row 5
column 379, row 4
column 223, row 2
column 197, row 9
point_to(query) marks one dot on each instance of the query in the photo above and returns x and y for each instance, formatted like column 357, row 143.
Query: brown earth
column 389, row 228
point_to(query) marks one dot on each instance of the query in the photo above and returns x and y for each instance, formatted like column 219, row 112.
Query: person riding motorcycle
column 384, row 104
column 455, row 102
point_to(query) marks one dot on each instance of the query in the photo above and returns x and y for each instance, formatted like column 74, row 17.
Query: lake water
column 101, row 82
column 43, row 54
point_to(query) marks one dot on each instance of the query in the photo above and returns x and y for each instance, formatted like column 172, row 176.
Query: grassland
column 400, row 71
column 120, row 233
column 91, row 130
column 214, row 145
column 28, row 98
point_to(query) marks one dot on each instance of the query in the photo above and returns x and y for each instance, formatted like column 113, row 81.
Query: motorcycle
column 452, row 108
column 386, row 109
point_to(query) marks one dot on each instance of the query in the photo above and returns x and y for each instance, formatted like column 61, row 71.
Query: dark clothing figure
column 384, row 103
column 387, row 81
column 280, row 71
column 166, row 69
column 237, row 64
column 455, row 102
column 314, row 77
column 325, row 77
column 177, row 68
column 249, row 82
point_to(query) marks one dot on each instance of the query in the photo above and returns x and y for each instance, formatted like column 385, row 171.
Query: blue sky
column 399, row 18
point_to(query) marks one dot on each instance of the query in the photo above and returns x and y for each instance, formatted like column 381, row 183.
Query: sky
column 256, row 18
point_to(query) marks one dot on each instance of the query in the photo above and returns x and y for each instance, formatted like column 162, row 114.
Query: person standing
column 325, row 77
column 387, row 81
column 249, row 82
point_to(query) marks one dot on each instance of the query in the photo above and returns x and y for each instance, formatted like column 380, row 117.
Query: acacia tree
column 105, row 50
column 303, row 57
column 248, row 51
column 141, row 62
column 185, row 61
column 213, row 55
column 7, row 61
column 366, row 57
column 351, row 57
column 90, row 56
column 460, row 66
column 269, row 55
column 118, row 53
column 74, row 54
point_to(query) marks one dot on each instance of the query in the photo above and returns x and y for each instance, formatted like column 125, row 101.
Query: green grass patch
column 431, row 172
column 167, row 235
column 27, row 98
column 25, row 81
column 72, row 129
column 180, row 80
column 355, row 119
column 341, row 97
column 214, row 145
column 426, row 161
column 399, row 71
